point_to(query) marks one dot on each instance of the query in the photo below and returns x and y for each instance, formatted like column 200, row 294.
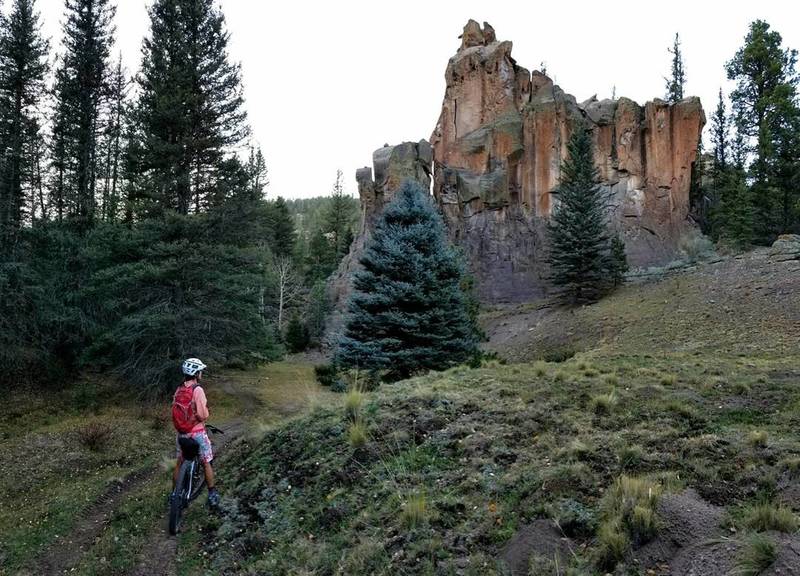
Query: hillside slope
column 666, row 445
column 743, row 305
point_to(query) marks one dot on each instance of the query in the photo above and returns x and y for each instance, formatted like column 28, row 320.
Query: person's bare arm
column 200, row 404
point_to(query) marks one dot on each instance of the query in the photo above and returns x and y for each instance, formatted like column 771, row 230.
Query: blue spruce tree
column 408, row 312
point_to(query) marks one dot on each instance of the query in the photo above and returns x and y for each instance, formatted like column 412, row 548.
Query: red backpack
column 183, row 416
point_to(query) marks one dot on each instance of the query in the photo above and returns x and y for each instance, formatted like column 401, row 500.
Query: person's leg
column 178, row 463
column 209, row 474
column 207, row 455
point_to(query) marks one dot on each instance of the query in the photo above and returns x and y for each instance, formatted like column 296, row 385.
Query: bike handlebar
column 214, row 429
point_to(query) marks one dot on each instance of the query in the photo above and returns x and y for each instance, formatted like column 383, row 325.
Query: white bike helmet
column 192, row 366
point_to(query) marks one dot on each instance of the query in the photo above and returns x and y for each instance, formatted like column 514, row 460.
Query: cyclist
column 189, row 413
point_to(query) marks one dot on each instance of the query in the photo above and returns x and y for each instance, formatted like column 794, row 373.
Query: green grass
column 768, row 516
column 756, row 555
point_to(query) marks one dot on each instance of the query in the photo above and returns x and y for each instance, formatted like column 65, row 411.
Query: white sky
column 328, row 82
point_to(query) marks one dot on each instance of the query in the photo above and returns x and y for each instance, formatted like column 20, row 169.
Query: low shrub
column 326, row 374
column 758, row 438
column 603, row 404
column 696, row 247
column 575, row 519
column 95, row 436
column 629, row 517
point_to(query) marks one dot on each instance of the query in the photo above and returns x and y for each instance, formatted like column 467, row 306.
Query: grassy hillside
column 663, row 442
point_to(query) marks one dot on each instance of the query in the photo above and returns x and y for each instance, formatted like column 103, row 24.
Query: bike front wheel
column 180, row 497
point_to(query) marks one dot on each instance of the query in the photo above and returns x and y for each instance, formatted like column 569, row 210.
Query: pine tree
column 408, row 312
column 719, row 135
column 337, row 218
column 677, row 79
column 317, row 311
column 257, row 173
column 112, row 143
column 619, row 261
column 320, row 259
column 190, row 107
column 283, row 237
column 767, row 117
column 733, row 216
column 23, row 65
column 80, row 93
column 579, row 240
column 296, row 335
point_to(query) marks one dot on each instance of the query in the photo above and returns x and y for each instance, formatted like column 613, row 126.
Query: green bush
column 326, row 374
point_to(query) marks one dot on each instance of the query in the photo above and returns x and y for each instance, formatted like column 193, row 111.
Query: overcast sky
column 328, row 82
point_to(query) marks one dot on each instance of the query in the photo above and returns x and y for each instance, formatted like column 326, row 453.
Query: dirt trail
column 158, row 554
column 64, row 555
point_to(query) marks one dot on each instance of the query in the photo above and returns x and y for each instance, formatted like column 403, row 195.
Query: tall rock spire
column 497, row 153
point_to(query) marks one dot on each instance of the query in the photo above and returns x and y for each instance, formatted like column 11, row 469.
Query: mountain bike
column 191, row 479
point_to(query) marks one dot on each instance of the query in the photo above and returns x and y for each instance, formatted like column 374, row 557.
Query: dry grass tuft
column 415, row 510
column 603, row 404
column 758, row 438
column 95, row 436
column 357, row 434
column 768, row 516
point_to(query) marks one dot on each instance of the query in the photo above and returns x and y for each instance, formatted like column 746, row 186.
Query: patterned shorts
column 206, row 454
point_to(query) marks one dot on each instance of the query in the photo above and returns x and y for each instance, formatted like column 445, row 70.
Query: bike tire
column 178, row 500
column 198, row 480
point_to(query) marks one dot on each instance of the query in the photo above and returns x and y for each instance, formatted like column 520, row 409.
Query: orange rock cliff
column 495, row 158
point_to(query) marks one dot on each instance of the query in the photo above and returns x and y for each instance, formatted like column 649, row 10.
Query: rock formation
column 497, row 153
column 392, row 165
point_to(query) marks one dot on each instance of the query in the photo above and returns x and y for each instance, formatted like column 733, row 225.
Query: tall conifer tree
column 80, row 92
column 580, row 256
column 677, row 79
column 190, row 108
column 767, row 117
column 23, row 65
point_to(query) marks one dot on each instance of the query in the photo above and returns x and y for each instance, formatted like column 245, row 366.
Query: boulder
column 785, row 248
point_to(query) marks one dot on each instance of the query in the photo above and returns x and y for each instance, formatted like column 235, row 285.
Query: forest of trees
column 748, row 187
column 135, row 228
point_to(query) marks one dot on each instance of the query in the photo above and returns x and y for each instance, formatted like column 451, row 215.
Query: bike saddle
column 189, row 447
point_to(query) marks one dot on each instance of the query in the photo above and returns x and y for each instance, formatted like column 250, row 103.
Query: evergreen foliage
column 720, row 135
column 190, row 110
column 282, row 237
column 408, row 312
column 618, row 265
column 768, row 119
column 23, row 65
column 111, row 145
column 677, row 79
column 297, row 338
column 80, row 92
column 580, row 245
column 337, row 219
column 168, row 289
